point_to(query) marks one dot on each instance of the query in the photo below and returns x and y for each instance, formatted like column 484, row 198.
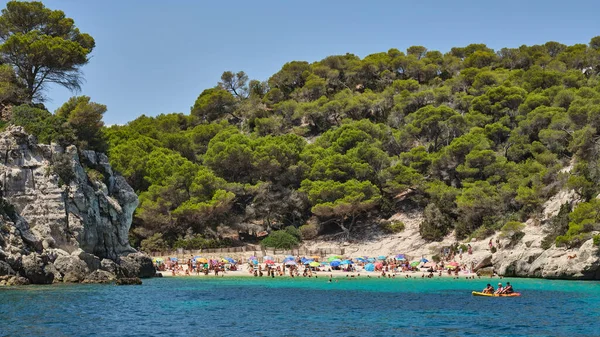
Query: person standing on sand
column 491, row 244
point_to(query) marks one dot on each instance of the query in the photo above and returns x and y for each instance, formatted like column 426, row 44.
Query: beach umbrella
column 415, row 263
column 371, row 260
column 289, row 258
column 265, row 258
column 174, row 259
column 314, row 264
column 255, row 262
column 360, row 259
column 270, row 262
column 335, row 263
column 369, row 267
column 315, row 257
column 453, row 264
column 381, row 257
column 158, row 260
column 346, row 262
column 424, row 260
column 290, row 263
column 429, row 264
column 400, row 257
column 232, row 261
column 252, row 258
column 201, row 260
column 378, row 265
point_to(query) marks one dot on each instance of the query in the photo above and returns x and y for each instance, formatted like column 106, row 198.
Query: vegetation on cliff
column 478, row 138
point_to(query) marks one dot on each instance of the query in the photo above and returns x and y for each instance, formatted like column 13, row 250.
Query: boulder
column 34, row 269
column 111, row 267
column 137, row 265
column 100, row 276
column 6, row 269
column 92, row 261
column 17, row 281
column 72, row 268
column 486, row 262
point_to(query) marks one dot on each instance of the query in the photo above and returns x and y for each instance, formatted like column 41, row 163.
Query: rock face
column 53, row 229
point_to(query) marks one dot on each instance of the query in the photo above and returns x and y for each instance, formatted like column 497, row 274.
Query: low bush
column 280, row 240
column 309, row 231
column 393, row 227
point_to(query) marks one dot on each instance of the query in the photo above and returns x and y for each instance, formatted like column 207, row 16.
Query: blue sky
column 155, row 57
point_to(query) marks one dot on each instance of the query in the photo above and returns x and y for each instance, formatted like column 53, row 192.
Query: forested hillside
column 476, row 139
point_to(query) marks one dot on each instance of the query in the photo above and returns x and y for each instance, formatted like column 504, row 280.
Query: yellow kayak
column 477, row 293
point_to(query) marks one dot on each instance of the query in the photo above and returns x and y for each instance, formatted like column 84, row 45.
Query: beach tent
column 369, row 267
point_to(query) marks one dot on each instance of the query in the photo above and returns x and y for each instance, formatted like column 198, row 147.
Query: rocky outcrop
column 63, row 213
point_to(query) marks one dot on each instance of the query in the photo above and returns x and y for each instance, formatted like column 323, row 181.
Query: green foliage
column 393, row 226
column 597, row 240
column 45, row 126
column 280, row 240
column 584, row 219
column 309, row 231
column 197, row 242
column 43, row 46
column 155, row 243
column 85, row 118
column 559, row 225
column 62, row 166
column 513, row 230
column 479, row 137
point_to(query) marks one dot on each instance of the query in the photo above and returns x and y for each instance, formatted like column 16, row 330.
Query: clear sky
column 156, row 56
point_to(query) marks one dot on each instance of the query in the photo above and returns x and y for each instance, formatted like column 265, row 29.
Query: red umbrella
column 378, row 265
column 454, row 264
column 270, row 262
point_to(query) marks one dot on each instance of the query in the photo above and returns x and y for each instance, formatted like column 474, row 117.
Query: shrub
column 393, row 227
column 293, row 231
column 309, row 231
column 280, row 240
column 597, row 240
column 436, row 258
column 494, row 249
column 512, row 230
column 154, row 243
column 436, row 224
column 559, row 224
column 482, row 233
column 94, row 175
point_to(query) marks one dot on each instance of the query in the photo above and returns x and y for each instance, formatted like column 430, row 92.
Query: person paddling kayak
column 500, row 289
column 488, row 290
column 508, row 289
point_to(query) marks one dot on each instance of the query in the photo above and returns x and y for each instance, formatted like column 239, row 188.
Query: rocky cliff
column 65, row 215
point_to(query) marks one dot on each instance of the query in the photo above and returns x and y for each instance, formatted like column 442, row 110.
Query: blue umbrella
column 173, row 259
column 254, row 261
column 370, row 267
column 400, row 257
column 289, row 258
column 232, row 261
column 335, row 263
column 360, row 259
column 424, row 260
column 346, row 262
column 381, row 257
column 290, row 263
column 265, row 258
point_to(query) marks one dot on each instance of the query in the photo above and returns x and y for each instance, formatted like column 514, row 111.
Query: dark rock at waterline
column 137, row 265
column 6, row 269
column 13, row 280
column 34, row 268
column 129, row 281
column 100, row 276
column 72, row 268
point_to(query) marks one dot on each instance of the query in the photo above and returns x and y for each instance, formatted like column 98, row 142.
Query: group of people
column 501, row 290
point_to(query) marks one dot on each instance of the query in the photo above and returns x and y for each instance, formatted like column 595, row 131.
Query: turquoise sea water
column 301, row 307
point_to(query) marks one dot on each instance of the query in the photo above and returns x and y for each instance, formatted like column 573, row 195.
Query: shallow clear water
column 301, row 307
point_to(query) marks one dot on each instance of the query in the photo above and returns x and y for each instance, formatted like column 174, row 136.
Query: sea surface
column 243, row 306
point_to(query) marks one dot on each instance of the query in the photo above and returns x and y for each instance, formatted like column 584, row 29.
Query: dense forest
column 477, row 139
